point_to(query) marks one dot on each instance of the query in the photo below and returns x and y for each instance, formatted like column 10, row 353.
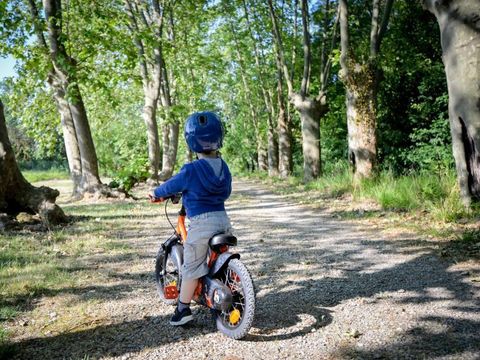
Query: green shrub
column 133, row 172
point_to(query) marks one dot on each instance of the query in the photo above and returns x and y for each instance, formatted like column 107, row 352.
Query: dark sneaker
column 181, row 317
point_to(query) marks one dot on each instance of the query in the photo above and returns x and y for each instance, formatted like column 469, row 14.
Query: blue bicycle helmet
column 204, row 132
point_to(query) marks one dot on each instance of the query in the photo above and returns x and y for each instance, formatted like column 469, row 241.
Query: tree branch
column 344, row 37
column 279, row 48
column 385, row 21
column 325, row 74
column 138, row 42
column 374, row 30
column 307, row 55
column 36, row 24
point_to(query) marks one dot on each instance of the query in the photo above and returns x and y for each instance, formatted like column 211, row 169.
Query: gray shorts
column 202, row 227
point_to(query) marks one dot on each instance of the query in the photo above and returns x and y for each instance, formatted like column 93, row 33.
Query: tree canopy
column 275, row 71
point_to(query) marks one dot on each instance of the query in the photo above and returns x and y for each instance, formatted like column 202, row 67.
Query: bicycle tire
column 240, row 329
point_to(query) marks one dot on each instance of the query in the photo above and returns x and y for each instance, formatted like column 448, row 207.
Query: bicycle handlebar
column 175, row 198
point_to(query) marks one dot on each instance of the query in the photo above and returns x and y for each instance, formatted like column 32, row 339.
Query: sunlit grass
column 435, row 194
column 333, row 183
column 44, row 175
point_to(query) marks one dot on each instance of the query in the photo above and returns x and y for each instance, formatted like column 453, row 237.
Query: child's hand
column 152, row 198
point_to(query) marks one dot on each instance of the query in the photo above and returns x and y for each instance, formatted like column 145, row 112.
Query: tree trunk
column 18, row 195
column 150, row 119
column 90, row 177
column 63, row 107
column 69, row 135
column 65, row 68
column 361, row 82
column 150, row 71
column 361, row 120
column 272, row 147
column 284, row 138
column 262, row 158
column 460, row 36
column 310, row 110
column 284, row 144
column 170, row 147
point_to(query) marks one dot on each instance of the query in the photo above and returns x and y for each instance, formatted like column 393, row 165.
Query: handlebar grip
column 154, row 199
column 174, row 198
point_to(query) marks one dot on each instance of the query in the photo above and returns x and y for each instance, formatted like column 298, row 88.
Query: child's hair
column 209, row 152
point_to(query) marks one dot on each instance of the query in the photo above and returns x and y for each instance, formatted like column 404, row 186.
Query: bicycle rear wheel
column 237, row 321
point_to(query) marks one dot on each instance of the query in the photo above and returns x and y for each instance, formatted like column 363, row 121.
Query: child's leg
column 196, row 250
column 194, row 267
column 187, row 290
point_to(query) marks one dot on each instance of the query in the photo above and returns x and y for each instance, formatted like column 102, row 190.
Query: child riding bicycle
column 205, row 184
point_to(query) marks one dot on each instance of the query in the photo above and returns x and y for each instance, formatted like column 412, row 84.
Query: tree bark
column 171, row 131
column 284, row 134
column 272, row 143
column 309, row 108
column 459, row 22
column 150, row 72
column 361, row 121
column 63, row 107
column 150, row 118
column 361, row 82
column 69, row 136
column 170, row 148
column 90, row 176
column 16, row 193
column 65, row 68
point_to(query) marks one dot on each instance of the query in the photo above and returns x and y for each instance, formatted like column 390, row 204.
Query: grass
column 431, row 198
column 33, row 265
column 44, row 175
column 6, row 349
column 435, row 194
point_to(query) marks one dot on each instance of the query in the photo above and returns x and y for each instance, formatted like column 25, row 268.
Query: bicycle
column 227, row 290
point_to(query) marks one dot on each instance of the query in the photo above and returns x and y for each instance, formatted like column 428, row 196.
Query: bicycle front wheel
column 171, row 276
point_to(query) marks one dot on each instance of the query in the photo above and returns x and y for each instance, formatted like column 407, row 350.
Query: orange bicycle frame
column 181, row 229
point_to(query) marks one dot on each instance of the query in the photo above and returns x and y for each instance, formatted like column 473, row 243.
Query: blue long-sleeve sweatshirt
column 202, row 190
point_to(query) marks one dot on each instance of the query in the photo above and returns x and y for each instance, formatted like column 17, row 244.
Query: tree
column 148, row 19
column 63, row 78
column 272, row 138
column 310, row 108
column 59, row 94
column 248, row 90
column 361, row 82
column 16, row 193
column 65, row 67
column 459, row 22
column 171, row 126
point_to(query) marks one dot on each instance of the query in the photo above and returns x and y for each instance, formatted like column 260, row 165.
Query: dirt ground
column 328, row 287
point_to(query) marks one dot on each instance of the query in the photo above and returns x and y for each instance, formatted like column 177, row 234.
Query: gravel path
column 327, row 288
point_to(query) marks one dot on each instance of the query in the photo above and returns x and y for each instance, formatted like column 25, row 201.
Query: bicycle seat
column 222, row 239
